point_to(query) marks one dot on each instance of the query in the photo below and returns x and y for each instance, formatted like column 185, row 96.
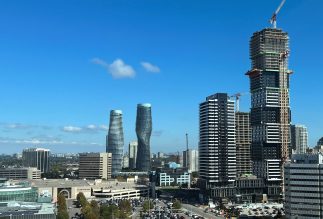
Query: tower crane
column 237, row 96
column 273, row 19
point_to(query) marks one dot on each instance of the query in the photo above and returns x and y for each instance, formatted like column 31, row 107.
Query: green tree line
column 91, row 210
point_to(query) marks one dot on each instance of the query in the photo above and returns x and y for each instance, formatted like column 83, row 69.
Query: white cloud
column 35, row 141
column 157, row 133
column 71, row 129
column 91, row 127
column 104, row 127
column 21, row 126
column 16, row 126
column 100, row 62
column 150, row 67
column 118, row 69
column 85, row 129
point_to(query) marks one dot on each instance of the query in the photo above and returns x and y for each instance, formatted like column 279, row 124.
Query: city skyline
column 61, row 100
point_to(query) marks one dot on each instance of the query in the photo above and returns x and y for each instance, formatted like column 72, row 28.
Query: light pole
column 158, row 212
column 148, row 200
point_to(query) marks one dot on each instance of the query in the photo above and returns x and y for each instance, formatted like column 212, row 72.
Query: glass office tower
column 143, row 130
column 36, row 157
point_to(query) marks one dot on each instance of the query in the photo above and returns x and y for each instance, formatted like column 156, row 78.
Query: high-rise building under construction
column 270, row 109
column 243, row 141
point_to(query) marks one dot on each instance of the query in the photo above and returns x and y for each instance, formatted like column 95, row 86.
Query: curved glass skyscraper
column 115, row 140
column 143, row 130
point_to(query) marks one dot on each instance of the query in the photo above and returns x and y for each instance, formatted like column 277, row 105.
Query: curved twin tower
column 115, row 138
column 143, row 130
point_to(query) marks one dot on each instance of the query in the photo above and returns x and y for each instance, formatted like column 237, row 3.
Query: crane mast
column 237, row 97
column 273, row 19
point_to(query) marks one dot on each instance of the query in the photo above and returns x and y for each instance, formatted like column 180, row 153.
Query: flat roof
column 62, row 183
column 18, row 208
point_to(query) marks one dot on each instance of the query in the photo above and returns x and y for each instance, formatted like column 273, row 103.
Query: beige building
column 95, row 165
column 243, row 143
column 100, row 189
column 20, row 173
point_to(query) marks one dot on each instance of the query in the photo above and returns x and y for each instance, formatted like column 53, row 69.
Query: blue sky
column 65, row 64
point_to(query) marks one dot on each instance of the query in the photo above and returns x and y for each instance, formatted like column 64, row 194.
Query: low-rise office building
column 20, row 173
column 27, row 210
column 19, row 191
column 303, row 186
column 90, row 188
column 20, row 200
column 249, row 189
column 170, row 177
column 95, row 165
column 129, row 192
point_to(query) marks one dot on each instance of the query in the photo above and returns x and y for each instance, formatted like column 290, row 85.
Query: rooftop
column 144, row 105
column 18, row 186
column 36, row 149
column 18, row 208
column 63, row 183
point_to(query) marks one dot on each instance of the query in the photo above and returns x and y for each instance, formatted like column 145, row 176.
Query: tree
column 81, row 199
column 95, row 208
column 177, row 204
column 125, row 206
column 61, row 202
column 62, row 207
column 62, row 215
column 147, row 204
column 89, row 213
column 104, row 212
column 109, row 212
column 123, row 215
column 195, row 174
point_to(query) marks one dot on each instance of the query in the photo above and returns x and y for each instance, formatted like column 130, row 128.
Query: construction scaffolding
column 284, row 106
column 269, row 88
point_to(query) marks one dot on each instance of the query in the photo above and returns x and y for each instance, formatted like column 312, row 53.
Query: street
column 71, row 208
column 199, row 211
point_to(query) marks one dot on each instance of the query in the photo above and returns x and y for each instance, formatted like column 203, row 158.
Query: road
column 136, row 213
column 71, row 208
column 199, row 211
column 159, row 209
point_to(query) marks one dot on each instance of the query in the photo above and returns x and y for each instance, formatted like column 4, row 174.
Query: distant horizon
column 64, row 66
column 51, row 152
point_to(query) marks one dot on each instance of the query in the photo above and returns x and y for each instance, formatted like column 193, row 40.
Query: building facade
column 133, row 147
column 320, row 142
column 217, row 147
column 243, row 143
column 101, row 189
column 21, row 191
column 160, row 155
column 115, row 140
column 299, row 139
column 36, row 157
column 27, row 210
column 20, row 173
column 143, row 130
column 191, row 160
column 304, row 186
column 95, row 165
column 171, row 177
column 269, row 88
column 125, row 161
